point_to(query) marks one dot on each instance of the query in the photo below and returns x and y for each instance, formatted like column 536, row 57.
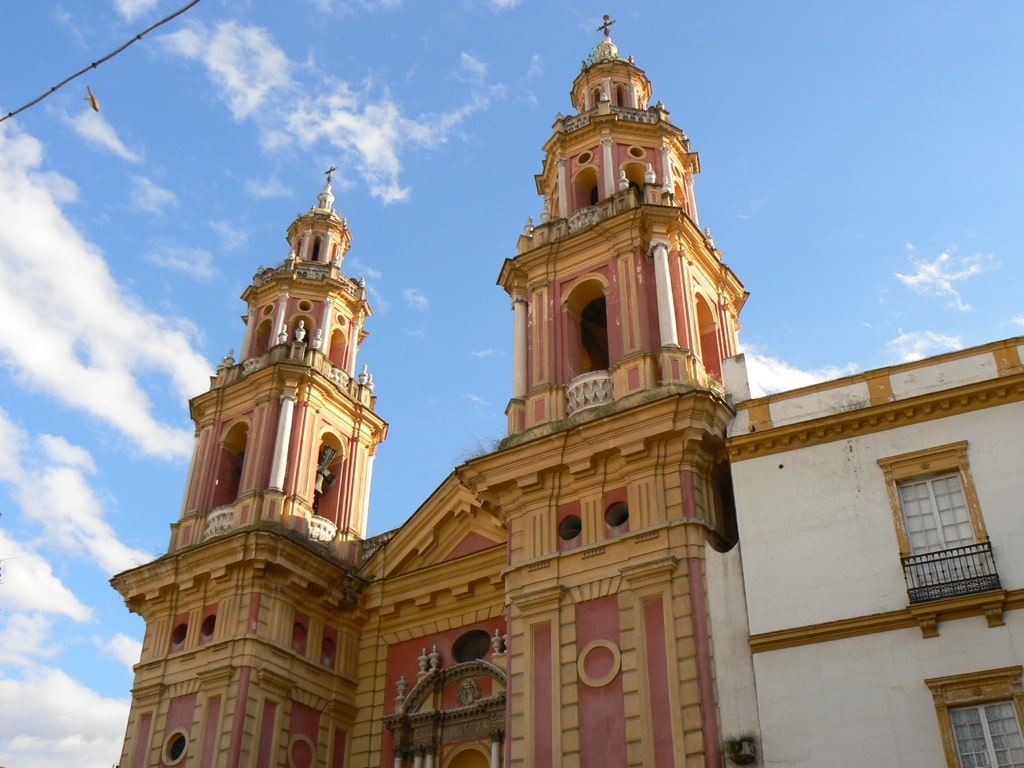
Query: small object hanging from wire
column 91, row 98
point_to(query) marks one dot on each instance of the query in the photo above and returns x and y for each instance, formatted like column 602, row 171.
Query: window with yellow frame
column 980, row 717
column 933, row 499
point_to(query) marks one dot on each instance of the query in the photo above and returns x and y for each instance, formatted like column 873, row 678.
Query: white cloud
column 243, row 62
column 1019, row 319
column 371, row 131
column 51, row 489
column 265, row 189
column 129, row 10
column 147, row 196
column 471, row 69
column 415, row 299
column 769, row 374
column 71, row 332
column 940, row 276
column 195, row 262
column 920, row 344
column 127, row 650
column 27, row 638
column 30, row 586
column 231, row 237
column 536, row 67
column 483, row 352
column 52, row 719
column 96, row 131
column 57, row 449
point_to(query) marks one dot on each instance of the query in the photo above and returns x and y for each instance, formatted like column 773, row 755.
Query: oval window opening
column 471, row 646
column 570, row 527
column 617, row 514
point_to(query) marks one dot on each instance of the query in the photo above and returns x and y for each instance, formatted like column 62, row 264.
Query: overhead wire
column 96, row 63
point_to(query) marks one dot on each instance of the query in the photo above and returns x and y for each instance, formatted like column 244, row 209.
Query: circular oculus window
column 617, row 514
column 176, row 747
column 584, row 157
column 637, row 152
column 570, row 527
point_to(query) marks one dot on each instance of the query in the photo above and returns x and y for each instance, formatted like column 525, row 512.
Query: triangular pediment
column 451, row 524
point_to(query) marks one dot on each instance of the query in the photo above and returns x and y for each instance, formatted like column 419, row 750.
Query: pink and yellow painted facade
column 549, row 604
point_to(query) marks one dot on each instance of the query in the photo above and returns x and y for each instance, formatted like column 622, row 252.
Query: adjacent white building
column 882, row 531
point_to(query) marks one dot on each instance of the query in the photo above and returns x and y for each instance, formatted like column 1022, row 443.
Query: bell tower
column 252, row 618
column 613, row 481
column 617, row 291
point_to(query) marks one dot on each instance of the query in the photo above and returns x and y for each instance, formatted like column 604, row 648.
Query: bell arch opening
column 588, row 338
column 326, row 481
column 585, row 191
column 707, row 331
column 230, row 463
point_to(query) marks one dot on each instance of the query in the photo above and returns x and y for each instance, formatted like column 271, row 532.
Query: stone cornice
column 927, row 616
column 900, row 413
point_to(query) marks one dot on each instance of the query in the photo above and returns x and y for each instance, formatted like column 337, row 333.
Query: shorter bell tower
column 252, row 617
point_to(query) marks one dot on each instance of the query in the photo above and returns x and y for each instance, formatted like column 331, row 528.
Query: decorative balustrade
column 950, row 573
column 649, row 116
column 322, row 529
column 588, row 390
column 219, row 520
column 584, row 218
column 311, row 271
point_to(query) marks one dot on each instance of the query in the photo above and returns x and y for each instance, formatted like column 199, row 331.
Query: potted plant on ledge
column 740, row 750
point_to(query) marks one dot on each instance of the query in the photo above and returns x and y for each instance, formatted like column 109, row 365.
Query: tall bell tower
column 252, row 619
column 613, row 481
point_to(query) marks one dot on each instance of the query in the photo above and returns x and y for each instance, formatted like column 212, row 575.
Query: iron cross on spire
column 606, row 27
column 329, row 173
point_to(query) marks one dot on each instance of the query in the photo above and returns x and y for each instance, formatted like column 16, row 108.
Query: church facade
column 576, row 597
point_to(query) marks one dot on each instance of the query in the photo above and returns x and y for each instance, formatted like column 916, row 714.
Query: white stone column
column 563, row 199
column 325, row 327
column 519, row 310
column 496, row 750
column 691, row 198
column 666, row 304
column 281, row 445
column 398, row 760
column 282, row 305
column 430, row 759
column 361, row 507
column 250, row 322
column 353, row 343
column 417, row 760
column 609, row 171
column 666, row 169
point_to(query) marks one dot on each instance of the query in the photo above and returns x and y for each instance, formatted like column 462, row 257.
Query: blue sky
column 861, row 167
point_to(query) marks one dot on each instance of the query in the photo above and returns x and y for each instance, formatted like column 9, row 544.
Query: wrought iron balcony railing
column 950, row 573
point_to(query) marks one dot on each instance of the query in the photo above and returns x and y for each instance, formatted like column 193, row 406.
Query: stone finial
column 623, row 181
column 423, row 662
column 497, row 642
column 282, row 336
column 318, row 339
column 300, row 332
column 708, row 237
column 649, row 176
column 435, row 659
column 528, row 229
column 545, row 215
column 228, row 360
column 402, row 685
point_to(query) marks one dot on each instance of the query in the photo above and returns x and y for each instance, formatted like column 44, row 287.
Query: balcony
column 219, row 520
column 950, row 573
column 588, row 390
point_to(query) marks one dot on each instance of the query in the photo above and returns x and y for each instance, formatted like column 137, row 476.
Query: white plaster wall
column 814, row 405
column 817, row 528
column 734, row 670
column 863, row 701
column 951, row 373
